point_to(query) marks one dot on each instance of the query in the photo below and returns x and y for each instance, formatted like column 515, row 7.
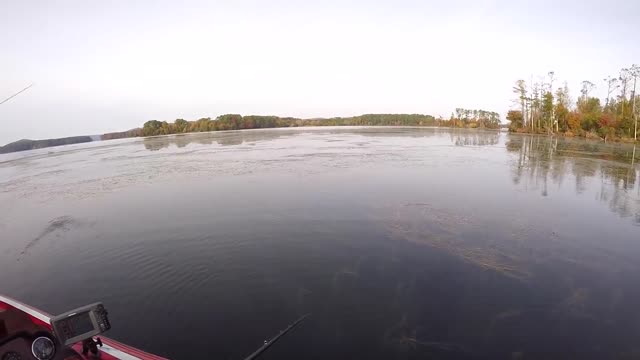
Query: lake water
column 402, row 243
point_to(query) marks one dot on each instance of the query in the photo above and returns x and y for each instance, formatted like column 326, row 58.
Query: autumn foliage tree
column 474, row 119
column 606, row 125
column 544, row 109
column 574, row 120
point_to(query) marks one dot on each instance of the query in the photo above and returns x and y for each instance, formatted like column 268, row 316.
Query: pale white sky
column 102, row 66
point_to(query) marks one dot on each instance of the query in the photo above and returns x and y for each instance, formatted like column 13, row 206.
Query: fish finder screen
column 80, row 324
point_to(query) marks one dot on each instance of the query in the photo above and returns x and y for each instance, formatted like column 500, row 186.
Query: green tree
column 516, row 120
column 151, row 128
column 181, row 125
column 562, row 107
column 547, row 111
column 521, row 90
column 591, row 112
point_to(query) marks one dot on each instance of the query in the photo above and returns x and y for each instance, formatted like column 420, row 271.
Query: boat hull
column 111, row 349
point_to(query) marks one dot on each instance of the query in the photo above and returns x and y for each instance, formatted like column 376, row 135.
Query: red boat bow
column 39, row 319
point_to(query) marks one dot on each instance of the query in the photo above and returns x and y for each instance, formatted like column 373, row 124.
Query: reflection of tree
column 152, row 145
column 474, row 138
column 382, row 132
column 221, row 138
column 536, row 160
column 543, row 159
column 617, row 189
column 238, row 137
column 583, row 170
column 229, row 139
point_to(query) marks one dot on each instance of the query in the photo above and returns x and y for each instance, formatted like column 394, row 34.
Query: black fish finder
column 80, row 324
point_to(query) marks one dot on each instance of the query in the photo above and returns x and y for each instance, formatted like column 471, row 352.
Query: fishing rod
column 16, row 94
column 267, row 344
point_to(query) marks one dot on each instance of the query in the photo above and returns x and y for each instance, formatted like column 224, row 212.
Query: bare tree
column 553, row 117
column 624, row 83
column 612, row 85
column 587, row 87
column 634, row 72
column 535, row 103
column 521, row 90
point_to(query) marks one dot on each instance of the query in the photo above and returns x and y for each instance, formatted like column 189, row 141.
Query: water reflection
column 460, row 137
column 475, row 138
column 562, row 283
column 458, row 246
column 541, row 161
column 221, row 138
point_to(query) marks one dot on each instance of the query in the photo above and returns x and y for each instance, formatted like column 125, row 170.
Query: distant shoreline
column 488, row 120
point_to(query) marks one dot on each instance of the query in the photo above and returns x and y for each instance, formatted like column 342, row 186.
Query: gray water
column 402, row 243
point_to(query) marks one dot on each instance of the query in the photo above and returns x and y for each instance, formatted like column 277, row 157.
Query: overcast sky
column 101, row 66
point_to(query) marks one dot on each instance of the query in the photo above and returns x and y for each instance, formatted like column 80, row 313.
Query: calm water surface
column 402, row 243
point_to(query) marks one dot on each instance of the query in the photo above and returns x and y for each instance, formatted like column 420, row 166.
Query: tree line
column 477, row 118
column 26, row 144
column 542, row 108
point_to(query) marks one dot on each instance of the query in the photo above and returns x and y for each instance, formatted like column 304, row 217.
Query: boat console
column 26, row 336
column 80, row 324
column 27, row 333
